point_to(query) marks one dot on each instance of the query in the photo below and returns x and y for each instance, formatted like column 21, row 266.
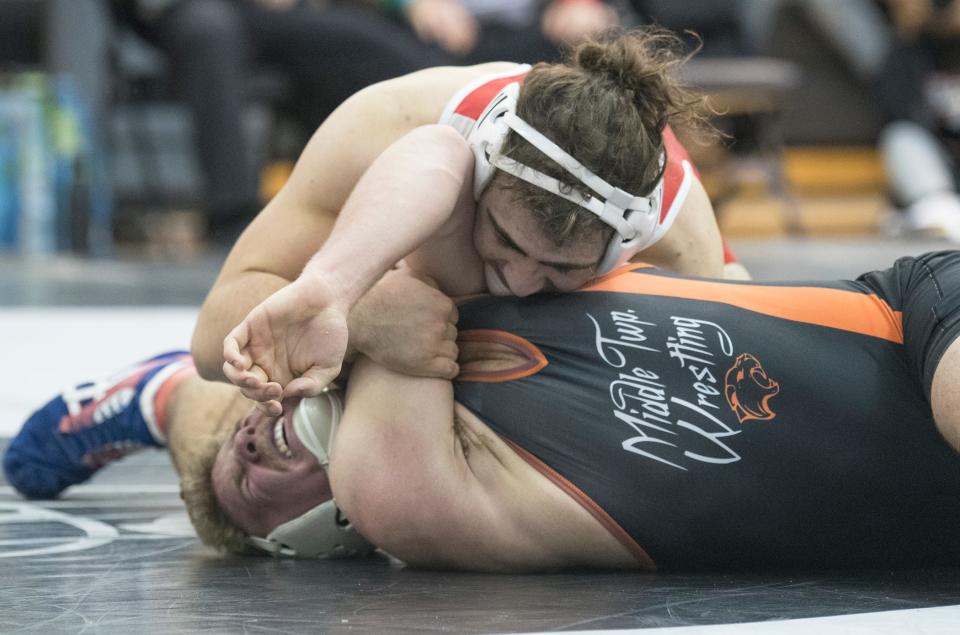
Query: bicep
column 299, row 219
column 398, row 470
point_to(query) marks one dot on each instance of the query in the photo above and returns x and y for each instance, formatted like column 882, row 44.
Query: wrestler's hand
column 570, row 21
column 408, row 326
column 446, row 22
column 292, row 344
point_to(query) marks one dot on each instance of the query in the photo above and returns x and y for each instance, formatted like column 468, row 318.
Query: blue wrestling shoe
column 90, row 425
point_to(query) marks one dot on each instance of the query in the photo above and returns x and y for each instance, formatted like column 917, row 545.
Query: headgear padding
column 635, row 218
column 322, row 532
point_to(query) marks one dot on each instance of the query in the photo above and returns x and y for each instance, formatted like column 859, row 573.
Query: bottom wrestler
column 647, row 421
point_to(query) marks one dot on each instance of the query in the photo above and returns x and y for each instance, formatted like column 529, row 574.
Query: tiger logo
column 748, row 389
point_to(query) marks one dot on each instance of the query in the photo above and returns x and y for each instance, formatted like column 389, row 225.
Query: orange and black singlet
column 727, row 424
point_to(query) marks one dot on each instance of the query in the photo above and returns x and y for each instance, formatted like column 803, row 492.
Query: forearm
column 225, row 307
column 406, row 196
column 228, row 303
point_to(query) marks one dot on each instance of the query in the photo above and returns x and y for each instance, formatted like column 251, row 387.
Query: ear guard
column 635, row 218
column 322, row 532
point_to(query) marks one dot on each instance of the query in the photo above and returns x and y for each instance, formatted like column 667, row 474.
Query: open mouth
column 280, row 438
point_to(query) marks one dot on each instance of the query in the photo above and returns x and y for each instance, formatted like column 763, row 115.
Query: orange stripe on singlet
column 864, row 313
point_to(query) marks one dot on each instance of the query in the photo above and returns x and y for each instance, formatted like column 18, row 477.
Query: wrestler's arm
column 294, row 342
column 399, row 472
column 407, row 196
column 291, row 228
column 692, row 245
column 424, row 480
column 274, row 249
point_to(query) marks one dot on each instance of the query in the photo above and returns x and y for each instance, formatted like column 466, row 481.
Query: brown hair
column 607, row 105
column 211, row 522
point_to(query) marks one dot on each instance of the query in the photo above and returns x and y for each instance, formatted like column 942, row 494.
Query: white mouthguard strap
column 315, row 421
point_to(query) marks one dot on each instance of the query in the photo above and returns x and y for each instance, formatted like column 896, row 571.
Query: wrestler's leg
column 926, row 289
column 932, row 331
column 945, row 395
column 150, row 404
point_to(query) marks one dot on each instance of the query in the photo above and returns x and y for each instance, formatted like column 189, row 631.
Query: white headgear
column 322, row 532
column 634, row 218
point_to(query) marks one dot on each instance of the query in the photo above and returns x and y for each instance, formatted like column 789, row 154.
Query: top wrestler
column 492, row 200
column 647, row 420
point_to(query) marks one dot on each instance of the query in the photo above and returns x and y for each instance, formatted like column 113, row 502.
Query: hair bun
column 643, row 63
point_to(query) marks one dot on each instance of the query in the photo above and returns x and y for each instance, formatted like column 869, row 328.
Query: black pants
column 329, row 54
column 496, row 42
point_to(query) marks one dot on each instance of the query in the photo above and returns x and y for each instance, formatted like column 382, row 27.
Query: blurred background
column 137, row 137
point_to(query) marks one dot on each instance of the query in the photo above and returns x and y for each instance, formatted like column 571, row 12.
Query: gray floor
column 114, row 556
column 137, row 571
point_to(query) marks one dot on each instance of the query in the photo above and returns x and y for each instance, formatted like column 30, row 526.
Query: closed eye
column 506, row 241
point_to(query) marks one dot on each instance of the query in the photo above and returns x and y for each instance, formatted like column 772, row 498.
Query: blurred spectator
column 718, row 25
column 835, row 21
column 919, row 92
column 328, row 51
column 906, row 53
column 475, row 31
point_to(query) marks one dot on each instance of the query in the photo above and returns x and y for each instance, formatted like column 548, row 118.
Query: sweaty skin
column 283, row 238
column 428, row 482
column 301, row 216
column 417, row 474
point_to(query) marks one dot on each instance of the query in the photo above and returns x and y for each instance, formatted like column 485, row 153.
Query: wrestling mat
column 117, row 555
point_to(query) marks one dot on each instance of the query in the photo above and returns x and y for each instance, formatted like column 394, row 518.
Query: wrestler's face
column 264, row 476
column 518, row 259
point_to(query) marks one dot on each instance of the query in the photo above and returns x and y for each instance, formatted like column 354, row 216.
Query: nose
column 244, row 444
column 523, row 277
